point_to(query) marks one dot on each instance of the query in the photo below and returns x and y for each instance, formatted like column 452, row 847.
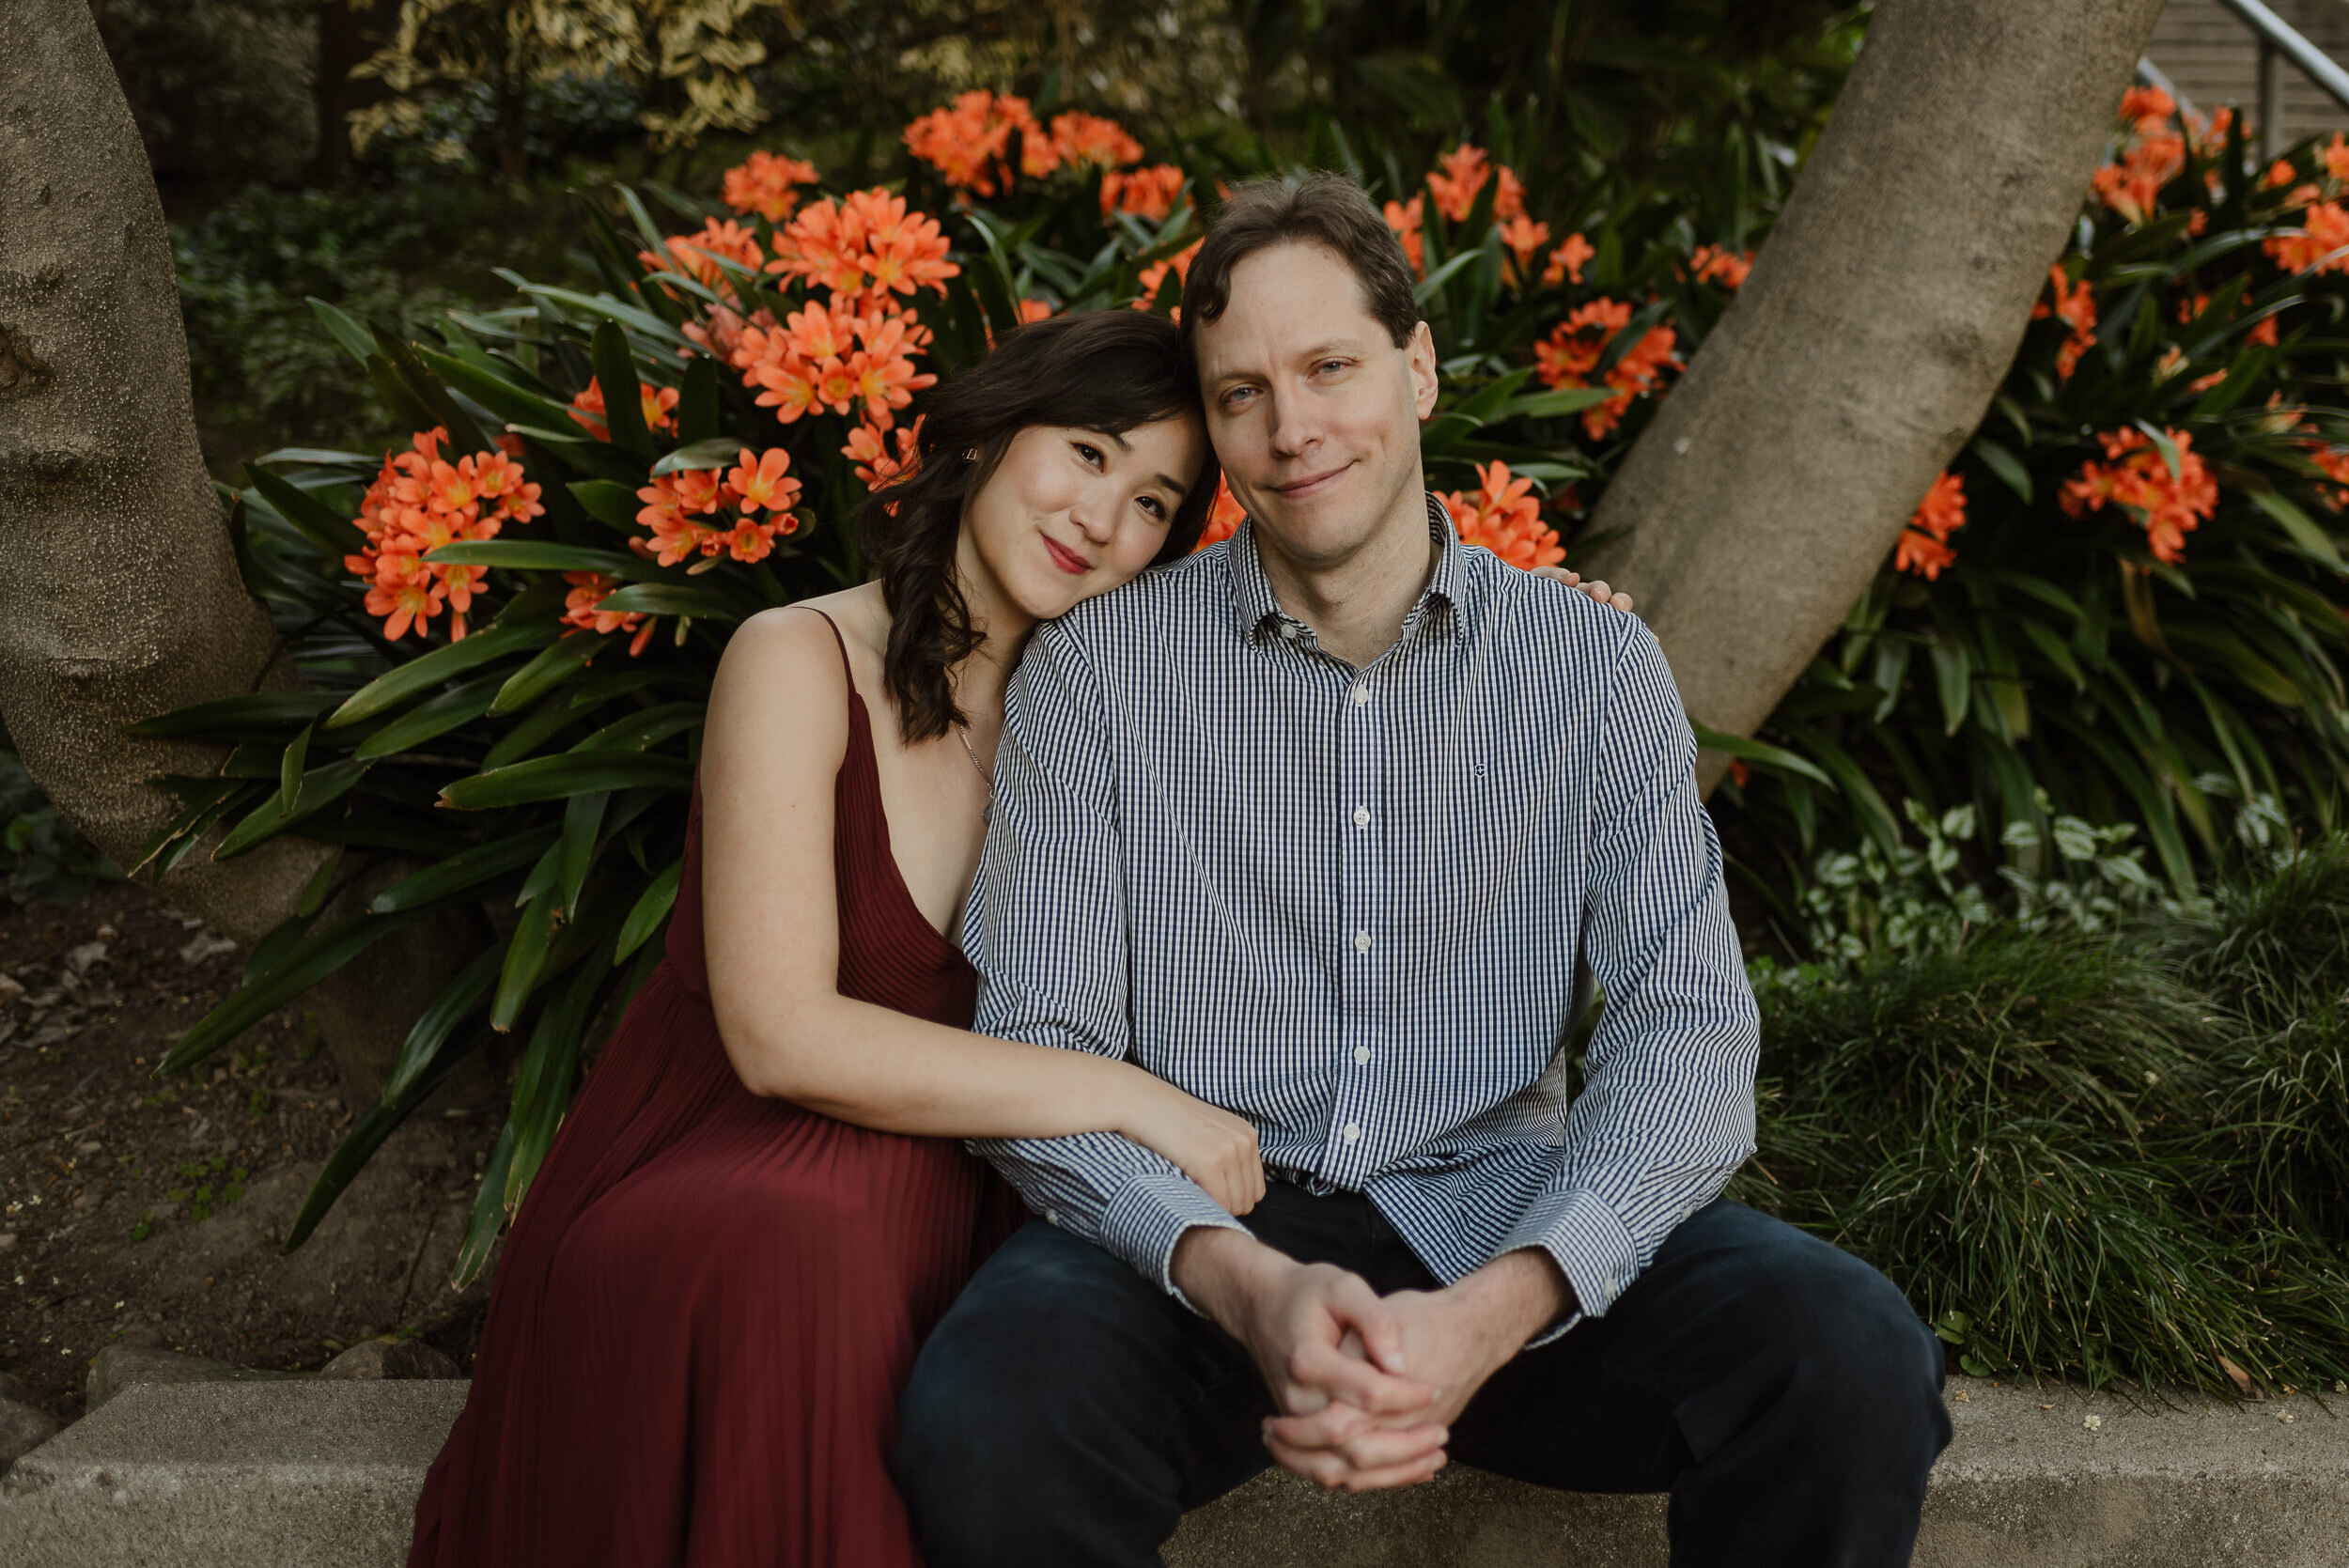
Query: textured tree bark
column 1867, row 343
column 119, row 595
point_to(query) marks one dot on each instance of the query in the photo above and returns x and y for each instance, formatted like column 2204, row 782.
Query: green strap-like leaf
column 525, row 957
column 319, row 788
column 489, row 1215
column 366, row 1135
column 335, row 535
column 1746, row 749
column 257, row 716
column 450, row 710
column 310, row 961
column 462, row 872
column 549, row 669
column 559, row 778
column 2302, row 528
column 531, row 555
column 582, row 821
column 421, row 674
column 671, row 598
column 716, row 452
column 436, row 1022
column 651, row 910
column 623, row 395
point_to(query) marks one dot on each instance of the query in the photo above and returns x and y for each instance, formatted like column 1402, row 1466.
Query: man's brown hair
column 1318, row 209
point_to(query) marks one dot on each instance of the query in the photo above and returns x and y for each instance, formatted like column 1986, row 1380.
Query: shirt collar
column 1256, row 610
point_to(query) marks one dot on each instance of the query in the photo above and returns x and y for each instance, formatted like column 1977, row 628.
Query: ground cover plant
column 507, row 624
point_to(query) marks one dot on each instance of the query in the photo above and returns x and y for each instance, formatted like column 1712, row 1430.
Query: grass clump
column 2116, row 1154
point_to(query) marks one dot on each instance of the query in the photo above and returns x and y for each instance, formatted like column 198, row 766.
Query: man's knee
column 1038, row 1377
column 1863, row 1364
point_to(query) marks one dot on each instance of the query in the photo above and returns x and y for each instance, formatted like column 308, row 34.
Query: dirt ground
column 132, row 1208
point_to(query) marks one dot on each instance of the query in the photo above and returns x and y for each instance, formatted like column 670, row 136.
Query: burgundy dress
column 709, row 1301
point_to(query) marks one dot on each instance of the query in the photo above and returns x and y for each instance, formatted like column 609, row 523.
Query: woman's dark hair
column 1107, row 370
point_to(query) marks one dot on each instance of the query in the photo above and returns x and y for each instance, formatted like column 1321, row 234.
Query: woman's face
column 1070, row 513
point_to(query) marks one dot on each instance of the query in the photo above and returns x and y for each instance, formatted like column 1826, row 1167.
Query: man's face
column 1313, row 409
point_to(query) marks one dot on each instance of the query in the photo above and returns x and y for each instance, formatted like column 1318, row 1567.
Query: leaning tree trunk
column 119, row 596
column 1868, row 339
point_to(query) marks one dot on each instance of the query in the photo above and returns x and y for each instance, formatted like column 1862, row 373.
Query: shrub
column 2096, row 1152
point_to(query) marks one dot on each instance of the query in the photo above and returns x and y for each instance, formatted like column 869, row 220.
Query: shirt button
column 1362, row 941
column 1362, row 816
column 1362, row 1055
column 1362, row 694
column 1352, row 1132
column 1288, row 629
column 1051, row 1216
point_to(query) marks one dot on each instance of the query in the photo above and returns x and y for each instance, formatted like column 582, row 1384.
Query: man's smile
column 1312, row 484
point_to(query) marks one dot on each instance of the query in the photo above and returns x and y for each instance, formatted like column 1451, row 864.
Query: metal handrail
column 2279, row 41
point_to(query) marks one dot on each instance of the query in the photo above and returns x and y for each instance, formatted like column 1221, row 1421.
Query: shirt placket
column 1362, row 733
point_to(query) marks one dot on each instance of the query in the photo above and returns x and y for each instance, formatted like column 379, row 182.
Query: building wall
column 2213, row 59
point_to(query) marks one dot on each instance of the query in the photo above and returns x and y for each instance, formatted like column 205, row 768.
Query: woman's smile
column 1066, row 559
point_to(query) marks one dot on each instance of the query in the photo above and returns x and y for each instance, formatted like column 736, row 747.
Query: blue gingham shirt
column 1349, row 905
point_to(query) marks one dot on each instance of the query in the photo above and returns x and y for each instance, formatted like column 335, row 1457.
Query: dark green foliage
column 42, row 856
column 2100, row 1153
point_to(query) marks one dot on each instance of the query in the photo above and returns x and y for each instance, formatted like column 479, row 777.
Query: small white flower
column 2284, row 1416
column 2094, row 1423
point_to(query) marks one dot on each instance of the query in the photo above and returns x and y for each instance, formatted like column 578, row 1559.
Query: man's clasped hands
column 1366, row 1386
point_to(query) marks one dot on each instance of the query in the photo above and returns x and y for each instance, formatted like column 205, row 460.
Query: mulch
column 152, row 1211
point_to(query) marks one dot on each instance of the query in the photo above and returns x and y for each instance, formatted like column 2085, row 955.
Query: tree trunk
column 119, row 596
column 1864, row 350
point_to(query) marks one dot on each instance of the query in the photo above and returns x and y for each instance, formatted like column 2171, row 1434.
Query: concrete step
column 324, row 1474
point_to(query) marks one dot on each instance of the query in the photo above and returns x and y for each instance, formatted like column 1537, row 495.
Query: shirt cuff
column 1591, row 1247
column 1147, row 1218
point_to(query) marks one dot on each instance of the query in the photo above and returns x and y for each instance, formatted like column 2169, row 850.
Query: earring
column 969, row 454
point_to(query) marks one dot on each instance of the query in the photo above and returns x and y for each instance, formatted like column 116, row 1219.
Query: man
column 1318, row 826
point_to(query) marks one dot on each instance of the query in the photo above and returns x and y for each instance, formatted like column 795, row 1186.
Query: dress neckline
column 861, row 729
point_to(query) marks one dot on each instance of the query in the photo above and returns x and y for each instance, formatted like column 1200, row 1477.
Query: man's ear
column 1419, row 355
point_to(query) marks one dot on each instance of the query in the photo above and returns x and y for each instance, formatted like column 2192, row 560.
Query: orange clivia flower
column 1404, row 219
column 2148, row 110
column 869, row 449
column 1523, row 237
column 1224, row 516
column 1717, row 264
column 2335, row 155
column 1147, row 193
column 967, row 141
column 1924, row 545
column 2074, row 304
column 659, row 405
column 1089, row 140
column 763, row 185
column 762, row 481
column 1465, row 170
column 696, row 256
column 1570, row 356
column 1503, row 516
column 1568, row 260
column 590, row 589
column 1155, row 274
column 418, row 502
column 2323, row 229
column 2136, row 475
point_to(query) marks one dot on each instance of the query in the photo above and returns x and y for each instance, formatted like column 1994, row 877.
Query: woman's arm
column 777, row 730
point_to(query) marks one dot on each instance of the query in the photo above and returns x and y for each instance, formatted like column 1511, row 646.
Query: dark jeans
column 1066, row 1411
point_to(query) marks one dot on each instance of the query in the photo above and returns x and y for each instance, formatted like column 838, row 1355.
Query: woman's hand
column 1211, row 1146
column 1596, row 589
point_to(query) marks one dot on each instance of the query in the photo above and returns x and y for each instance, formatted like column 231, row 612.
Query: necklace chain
column 962, row 733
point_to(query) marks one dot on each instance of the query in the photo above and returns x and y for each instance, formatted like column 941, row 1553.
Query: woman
column 755, row 1210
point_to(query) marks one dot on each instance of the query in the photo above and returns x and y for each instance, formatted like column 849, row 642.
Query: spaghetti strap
column 843, row 641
